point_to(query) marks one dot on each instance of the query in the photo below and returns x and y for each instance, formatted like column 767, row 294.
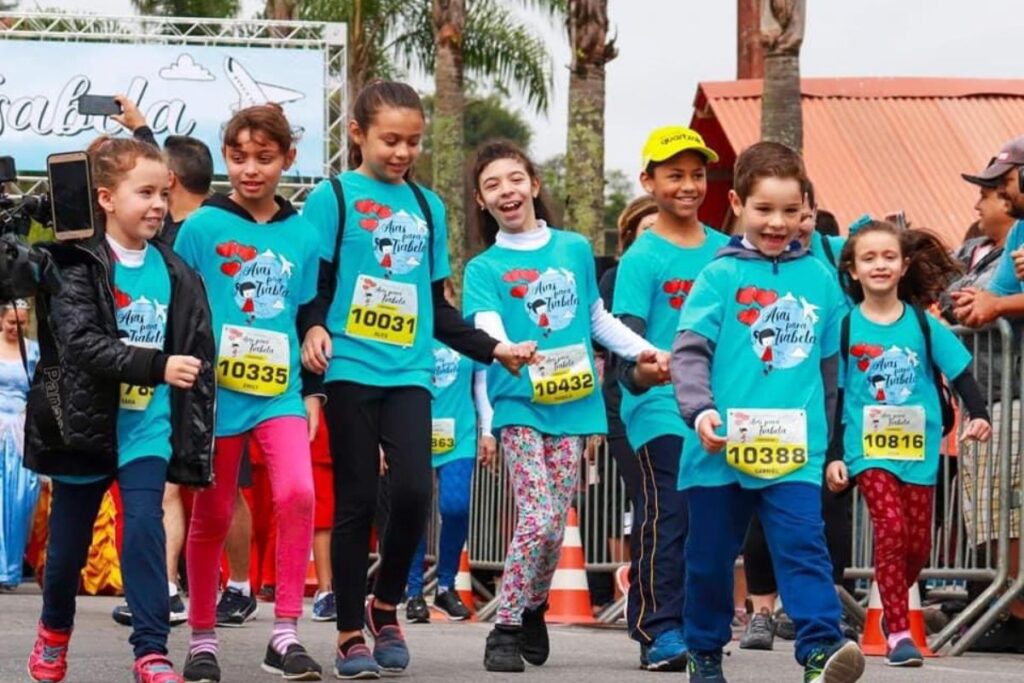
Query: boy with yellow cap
column 652, row 285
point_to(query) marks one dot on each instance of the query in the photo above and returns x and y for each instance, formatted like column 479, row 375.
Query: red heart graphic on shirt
column 746, row 295
column 857, row 350
column 687, row 286
column 672, row 286
column 531, row 275
column 369, row 224
column 676, row 302
column 230, row 268
column 511, row 275
column 365, row 205
column 873, row 351
column 227, row 249
column 863, row 364
column 384, row 211
column 247, row 253
column 766, row 297
column 519, row 291
column 121, row 300
column 748, row 316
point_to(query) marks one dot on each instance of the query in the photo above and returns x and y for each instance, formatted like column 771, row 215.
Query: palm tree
column 281, row 10
column 782, row 33
column 587, row 23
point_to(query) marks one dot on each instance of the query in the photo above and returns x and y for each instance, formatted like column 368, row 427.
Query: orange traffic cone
column 874, row 642
column 569, row 599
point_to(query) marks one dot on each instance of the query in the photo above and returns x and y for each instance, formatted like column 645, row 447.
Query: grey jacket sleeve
column 691, row 374
column 830, row 375
column 623, row 369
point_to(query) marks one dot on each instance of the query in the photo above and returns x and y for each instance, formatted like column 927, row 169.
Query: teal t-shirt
column 654, row 279
column 453, row 412
column 771, row 324
column 543, row 295
column 1005, row 282
column 382, row 316
column 256, row 275
column 889, row 388
column 817, row 248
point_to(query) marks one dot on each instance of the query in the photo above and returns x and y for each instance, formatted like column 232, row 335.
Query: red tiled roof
column 876, row 145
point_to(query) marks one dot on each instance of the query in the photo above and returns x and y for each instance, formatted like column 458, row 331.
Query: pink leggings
column 285, row 443
column 901, row 515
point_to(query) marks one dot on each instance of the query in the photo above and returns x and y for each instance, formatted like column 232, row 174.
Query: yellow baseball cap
column 668, row 141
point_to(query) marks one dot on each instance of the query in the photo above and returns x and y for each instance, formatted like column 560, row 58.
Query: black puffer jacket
column 71, row 420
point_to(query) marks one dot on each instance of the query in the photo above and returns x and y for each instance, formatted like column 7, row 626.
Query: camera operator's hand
column 181, row 371
column 130, row 116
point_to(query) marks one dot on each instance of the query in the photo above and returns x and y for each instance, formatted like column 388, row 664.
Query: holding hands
column 651, row 368
column 514, row 356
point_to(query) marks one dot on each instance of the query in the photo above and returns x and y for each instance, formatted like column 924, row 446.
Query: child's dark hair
column 370, row 100
column 488, row 153
column 111, row 159
column 191, row 162
column 930, row 268
column 266, row 119
column 767, row 160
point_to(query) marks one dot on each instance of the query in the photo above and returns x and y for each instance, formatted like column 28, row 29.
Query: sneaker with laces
column 705, row 667
column 356, row 664
column 502, row 652
column 760, row 632
column 534, row 642
column 179, row 613
column 155, row 668
column 784, row 626
column 294, row 665
column 842, row 662
column 324, row 607
column 416, row 610
column 201, row 668
column 122, row 614
column 389, row 647
column 451, row 605
column 905, row 654
column 667, row 652
column 48, row 662
column 234, row 608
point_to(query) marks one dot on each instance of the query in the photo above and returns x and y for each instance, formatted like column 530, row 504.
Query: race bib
column 383, row 311
column 442, row 436
column 565, row 374
column 254, row 362
column 766, row 443
column 894, row 432
column 137, row 397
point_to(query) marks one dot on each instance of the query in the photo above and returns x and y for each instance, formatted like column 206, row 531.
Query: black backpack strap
column 339, row 195
column 829, row 253
column 421, row 199
column 844, row 338
column 945, row 396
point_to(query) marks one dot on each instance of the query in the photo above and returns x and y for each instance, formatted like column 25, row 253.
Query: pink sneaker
column 48, row 661
column 155, row 668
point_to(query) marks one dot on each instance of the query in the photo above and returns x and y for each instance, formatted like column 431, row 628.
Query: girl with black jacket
column 124, row 390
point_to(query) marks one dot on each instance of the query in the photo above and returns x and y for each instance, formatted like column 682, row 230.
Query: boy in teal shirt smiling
column 758, row 341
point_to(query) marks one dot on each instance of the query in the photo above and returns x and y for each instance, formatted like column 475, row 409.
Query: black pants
column 660, row 526
column 143, row 564
column 363, row 419
column 836, row 511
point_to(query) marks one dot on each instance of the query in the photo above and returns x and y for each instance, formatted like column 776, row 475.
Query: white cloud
column 186, row 69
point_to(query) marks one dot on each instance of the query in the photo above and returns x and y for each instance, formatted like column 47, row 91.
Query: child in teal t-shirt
column 892, row 419
column 540, row 283
column 754, row 369
column 652, row 285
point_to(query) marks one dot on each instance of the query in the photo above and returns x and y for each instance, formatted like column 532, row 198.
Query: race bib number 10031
column 767, row 444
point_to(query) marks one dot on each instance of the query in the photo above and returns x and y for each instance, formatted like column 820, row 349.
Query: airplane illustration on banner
column 252, row 92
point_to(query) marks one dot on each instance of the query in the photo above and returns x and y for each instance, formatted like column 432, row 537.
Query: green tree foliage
column 219, row 9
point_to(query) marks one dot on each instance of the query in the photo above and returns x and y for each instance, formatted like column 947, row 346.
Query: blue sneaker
column 667, row 652
column 357, row 664
column 389, row 648
column 905, row 654
column 842, row 662
column 324, row 608
column 705, row 667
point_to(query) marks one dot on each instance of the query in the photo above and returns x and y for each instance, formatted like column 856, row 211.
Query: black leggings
column 362, row 419
column 836, row 510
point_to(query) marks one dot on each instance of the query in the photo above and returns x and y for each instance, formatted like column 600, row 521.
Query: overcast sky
column 667, row 46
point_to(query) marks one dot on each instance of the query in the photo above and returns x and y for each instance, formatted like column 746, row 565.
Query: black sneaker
column 201, row 668
column 784, row 626
column 502, row 652
column 234, row 608
column 179, row 613
column 416, row 610
column 122, row 614
column 705, row 667
column 534, row 642
column 760, row 632
column 451, row 604
column 294, row 665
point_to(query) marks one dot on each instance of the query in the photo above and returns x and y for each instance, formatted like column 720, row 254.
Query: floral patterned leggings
column 901, row 515
column 543, row 470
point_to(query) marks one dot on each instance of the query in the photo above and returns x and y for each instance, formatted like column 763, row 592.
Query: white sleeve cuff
column 484, row 410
